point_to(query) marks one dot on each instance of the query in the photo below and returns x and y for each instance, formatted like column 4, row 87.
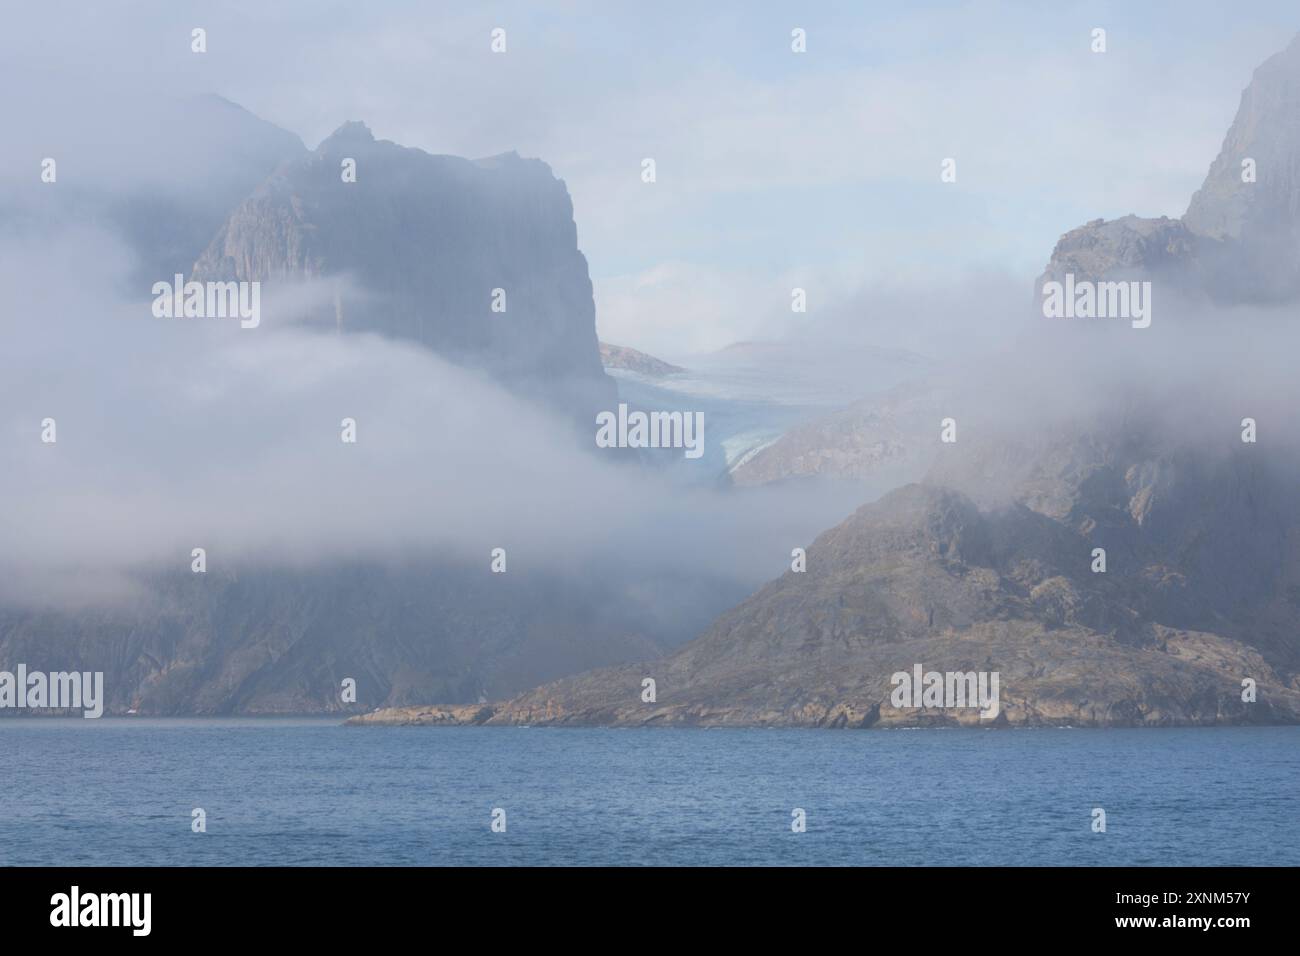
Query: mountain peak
column 1253, row 187
column 423, row 239
column 1238, row 239
column 353, row 131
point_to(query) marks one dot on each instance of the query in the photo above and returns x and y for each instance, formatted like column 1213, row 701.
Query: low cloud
column 182, row 433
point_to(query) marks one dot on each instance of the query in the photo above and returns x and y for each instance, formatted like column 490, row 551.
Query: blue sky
column 775, row 169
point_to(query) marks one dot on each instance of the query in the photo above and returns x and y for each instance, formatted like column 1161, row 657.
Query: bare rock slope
column 1192, row 603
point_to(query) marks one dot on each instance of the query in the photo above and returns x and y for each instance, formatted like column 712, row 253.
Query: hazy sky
column 774, row 169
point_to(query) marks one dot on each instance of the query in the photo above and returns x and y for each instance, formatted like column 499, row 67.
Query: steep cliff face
column 1239, row 240
column 477, row 260
column 1266, row 131
column 1202, row 532
column 219, row 143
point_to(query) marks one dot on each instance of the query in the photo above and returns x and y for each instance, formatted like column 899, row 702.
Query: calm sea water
column 111, row 792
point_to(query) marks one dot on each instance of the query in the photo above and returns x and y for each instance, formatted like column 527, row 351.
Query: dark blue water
column 111, row 792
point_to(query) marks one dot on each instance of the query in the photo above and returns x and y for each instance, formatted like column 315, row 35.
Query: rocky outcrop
column 1165, row 249
column 1239, row 240
column 462, row 716
column 477, row 260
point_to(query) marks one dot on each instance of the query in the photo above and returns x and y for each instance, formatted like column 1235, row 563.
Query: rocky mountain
column 1239, row 240
column 475, row 259
column 1239, row 243
column 624, row 359
column 415, row 248
column 1124, row 559
column 1166, row 635
column 1164, row 249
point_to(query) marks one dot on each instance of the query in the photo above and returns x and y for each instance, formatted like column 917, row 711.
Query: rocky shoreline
column 835, row 718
